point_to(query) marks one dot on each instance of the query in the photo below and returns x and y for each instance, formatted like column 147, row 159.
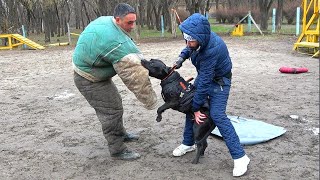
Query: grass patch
column 146, row 33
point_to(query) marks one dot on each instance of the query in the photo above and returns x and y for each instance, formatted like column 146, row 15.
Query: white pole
column 249, row 22
column 255, row 24
column 273, row 20
column 298, row 22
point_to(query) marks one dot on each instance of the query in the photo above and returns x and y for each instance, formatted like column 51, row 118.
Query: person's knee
column 218, row 116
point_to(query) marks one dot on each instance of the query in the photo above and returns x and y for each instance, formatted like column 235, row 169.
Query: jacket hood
column 198, row 27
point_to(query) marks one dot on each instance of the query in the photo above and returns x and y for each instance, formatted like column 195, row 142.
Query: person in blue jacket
column 209, row 54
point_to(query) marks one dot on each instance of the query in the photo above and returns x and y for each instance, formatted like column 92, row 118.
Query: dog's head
column 157, row 68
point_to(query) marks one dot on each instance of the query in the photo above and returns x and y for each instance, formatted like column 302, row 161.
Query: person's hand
column 198, row 116
column 179, row 62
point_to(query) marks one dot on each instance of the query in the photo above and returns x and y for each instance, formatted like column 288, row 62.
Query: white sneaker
column 183, row 149
column 241, row 166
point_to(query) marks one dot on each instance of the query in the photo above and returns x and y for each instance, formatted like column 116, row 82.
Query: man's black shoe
column 128, row 137
column 126, row 155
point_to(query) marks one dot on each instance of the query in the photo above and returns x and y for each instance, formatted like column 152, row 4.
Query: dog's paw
column 159, row 118
column 195, row 161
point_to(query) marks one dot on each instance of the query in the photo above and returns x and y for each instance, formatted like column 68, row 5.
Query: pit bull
column 177, row 94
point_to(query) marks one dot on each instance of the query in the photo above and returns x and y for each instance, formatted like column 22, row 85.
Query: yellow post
column 9, row 42
column 238, row 30
column 309, row 37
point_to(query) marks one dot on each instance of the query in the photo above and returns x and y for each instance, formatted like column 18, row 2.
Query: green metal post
column 162, row 26
column 249, row 22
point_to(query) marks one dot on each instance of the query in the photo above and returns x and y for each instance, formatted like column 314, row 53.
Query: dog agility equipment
column 292, row 70
column 15, row 40
column 251, row 131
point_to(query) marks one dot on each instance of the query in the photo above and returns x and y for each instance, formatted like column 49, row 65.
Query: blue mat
column 252, row 131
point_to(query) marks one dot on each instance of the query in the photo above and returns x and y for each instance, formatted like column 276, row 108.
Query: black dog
column 178, row 94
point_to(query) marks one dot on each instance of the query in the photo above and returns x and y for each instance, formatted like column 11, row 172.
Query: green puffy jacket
column 99, row 46
column 104, row 50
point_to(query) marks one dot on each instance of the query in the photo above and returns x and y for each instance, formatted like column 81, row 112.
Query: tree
column 279, row 15
column 195, row 6
column 264, row 6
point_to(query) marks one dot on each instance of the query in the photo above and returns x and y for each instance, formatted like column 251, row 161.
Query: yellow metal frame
column 316, row 54
column 309, row 34
column 59, row 44
column 75, row 34
column 238, row 30
column 12, row 43
column 14, row 40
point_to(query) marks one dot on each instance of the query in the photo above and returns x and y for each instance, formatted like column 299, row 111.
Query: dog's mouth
column 157, row 68
column 144, row 62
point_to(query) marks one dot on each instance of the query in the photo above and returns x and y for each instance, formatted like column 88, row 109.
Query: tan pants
column 106, row 101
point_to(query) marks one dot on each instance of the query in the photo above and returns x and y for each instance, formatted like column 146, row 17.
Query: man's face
column 192, row 44
column 127, row 22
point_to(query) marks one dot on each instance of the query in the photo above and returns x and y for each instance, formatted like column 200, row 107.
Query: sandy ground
column 49, row 131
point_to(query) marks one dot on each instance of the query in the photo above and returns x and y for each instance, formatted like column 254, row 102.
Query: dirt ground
column 49, row 131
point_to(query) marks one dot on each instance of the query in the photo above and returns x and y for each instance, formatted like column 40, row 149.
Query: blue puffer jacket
column 211, row 59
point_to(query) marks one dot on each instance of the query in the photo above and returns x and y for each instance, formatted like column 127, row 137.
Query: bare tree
column 279, row 15
column 52, row 16
column 195, row 6
column 264, row 6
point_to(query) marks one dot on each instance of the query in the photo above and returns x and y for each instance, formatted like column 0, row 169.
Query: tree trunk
column 102, row 8
column 77, row 12
column 52, row 23
column 149, row 15
column 196, row 6
column 58, row 21
column 264, row 6
column 156, row 11
column 217, row 4
column 86, row 13
column 47, row 30
column 207, row 8
column 279, row 15
column 138, row 26
column 39, row 19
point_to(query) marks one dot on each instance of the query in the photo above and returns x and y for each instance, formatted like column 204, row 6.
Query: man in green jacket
column 103, row 50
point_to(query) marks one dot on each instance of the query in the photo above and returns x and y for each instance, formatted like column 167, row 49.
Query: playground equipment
column 75, row 34
column 238, row 30
column 309, row 37
column 293, row 70
column 59, row 44
column 14, row 40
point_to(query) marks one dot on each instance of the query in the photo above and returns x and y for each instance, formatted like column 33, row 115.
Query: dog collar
column 171, row 71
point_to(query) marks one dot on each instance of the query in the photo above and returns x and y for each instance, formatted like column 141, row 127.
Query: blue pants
column 218, row 103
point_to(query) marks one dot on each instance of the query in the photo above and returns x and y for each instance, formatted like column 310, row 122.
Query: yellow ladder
column 310, row 27
column 15, row 40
